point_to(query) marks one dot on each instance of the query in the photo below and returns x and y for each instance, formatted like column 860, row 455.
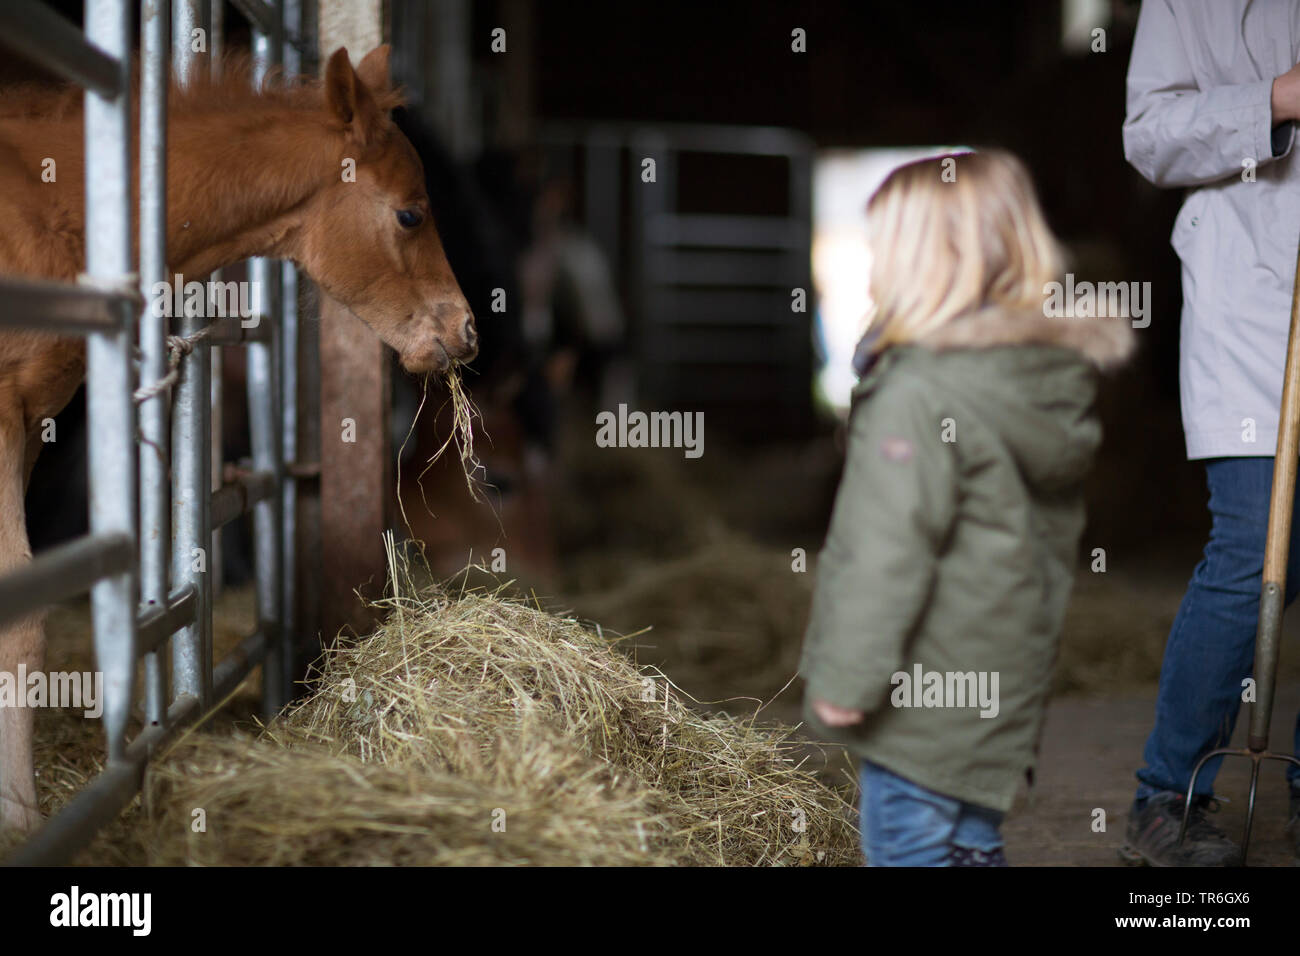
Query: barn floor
column 1095, row 731
column 1090, row 750
column 704, row 585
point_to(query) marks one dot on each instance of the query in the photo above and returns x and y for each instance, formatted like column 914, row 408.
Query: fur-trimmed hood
column 1106, row 343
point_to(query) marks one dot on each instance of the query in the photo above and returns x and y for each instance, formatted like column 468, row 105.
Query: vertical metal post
column 111, row 411
column 217, row 455
column 289, row 358
column 155, row 499
column 264, row 432
column 191, row 491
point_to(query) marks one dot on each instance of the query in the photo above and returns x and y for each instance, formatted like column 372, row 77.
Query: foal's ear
column 349, row 99
column 373, row 70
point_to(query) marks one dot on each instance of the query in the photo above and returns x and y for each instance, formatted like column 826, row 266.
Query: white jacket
column 1199, row 116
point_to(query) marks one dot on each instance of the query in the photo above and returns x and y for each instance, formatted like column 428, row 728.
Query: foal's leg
column 21, row 642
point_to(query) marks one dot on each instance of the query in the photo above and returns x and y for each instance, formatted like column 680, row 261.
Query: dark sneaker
column 1153, row 835
column 969, row 856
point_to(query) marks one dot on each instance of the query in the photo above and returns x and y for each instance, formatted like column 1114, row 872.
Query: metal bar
column 191, row 474
column 63, row 572
column 217, row 35
column 237, row 664
column 265, row 18
column 155, row 492
column 264, row 429
column 260, row 15
column 159, row 622
column 186, row 18
column 109, row 379
column 289, row 486
column 216, row 439
column 238, row 498
column 718, row 308
column 64, row 308
column 719, row 269
column 216, row 12
column 64, row 835
column 233, row 331
column 37, row 33
column 768, row 233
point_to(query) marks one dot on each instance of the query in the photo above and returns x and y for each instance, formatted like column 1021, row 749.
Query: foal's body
column 248, row 174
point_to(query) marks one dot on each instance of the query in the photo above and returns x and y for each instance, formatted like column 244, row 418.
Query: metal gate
column 721, row 295
column 149, row 576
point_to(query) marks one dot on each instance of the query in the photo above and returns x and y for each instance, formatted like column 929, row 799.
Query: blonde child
column 946, row 571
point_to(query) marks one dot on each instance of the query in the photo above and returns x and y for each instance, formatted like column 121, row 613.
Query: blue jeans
column 904, row 824
column 1211, row 648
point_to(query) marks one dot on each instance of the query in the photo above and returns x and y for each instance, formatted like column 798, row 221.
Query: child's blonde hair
column 946, row 245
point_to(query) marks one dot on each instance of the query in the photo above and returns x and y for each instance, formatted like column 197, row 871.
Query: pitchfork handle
column 1272, row 600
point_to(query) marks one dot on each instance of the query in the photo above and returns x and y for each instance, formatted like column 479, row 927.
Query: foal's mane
column 232, row 91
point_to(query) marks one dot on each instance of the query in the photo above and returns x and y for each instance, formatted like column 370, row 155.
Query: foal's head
column 369, row 239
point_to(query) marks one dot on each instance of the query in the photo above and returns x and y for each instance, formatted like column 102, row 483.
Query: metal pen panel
column 191, row 472
column 131, row 619
column 110, row 410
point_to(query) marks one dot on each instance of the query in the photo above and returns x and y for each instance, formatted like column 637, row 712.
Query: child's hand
column 833, row 716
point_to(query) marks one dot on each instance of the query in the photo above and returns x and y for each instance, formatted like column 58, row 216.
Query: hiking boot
column 1153, row 835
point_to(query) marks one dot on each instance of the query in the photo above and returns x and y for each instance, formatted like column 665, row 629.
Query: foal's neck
column 238, row 180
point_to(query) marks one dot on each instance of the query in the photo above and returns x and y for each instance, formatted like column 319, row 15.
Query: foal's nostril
column 470, row 334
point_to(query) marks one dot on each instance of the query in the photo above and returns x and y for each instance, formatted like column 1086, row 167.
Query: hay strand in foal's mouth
column 463, row 415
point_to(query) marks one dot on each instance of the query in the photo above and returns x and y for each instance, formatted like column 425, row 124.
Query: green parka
column 953, row 544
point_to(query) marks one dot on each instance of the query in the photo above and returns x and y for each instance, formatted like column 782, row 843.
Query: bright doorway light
column 843, row 181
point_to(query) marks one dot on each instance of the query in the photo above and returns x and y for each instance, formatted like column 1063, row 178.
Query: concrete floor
column 1091, row 748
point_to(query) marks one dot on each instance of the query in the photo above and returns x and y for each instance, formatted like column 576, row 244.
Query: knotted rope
column 178, row 346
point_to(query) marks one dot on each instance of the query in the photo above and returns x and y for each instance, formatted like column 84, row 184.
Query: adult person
column 1213, row 95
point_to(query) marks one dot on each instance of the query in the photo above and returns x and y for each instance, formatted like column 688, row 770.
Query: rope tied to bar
column 178, row 346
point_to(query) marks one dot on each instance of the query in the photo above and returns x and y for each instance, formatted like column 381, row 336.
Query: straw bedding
column 471, row 728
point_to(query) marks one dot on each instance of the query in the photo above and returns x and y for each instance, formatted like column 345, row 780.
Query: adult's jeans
column 1211, row 647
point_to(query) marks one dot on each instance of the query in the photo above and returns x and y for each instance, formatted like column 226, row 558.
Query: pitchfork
column 1272, row 599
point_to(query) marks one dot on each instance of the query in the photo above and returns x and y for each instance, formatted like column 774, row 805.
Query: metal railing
column 148, row 577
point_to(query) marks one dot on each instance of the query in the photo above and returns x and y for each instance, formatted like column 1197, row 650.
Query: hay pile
column 725, row 618
column 473, row 729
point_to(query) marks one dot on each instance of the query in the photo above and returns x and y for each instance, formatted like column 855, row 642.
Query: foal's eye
column 409, row 218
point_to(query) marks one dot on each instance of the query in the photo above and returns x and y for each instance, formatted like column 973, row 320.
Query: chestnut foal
column 315, row 172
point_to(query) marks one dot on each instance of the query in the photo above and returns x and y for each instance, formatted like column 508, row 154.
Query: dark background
column 875, row 74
